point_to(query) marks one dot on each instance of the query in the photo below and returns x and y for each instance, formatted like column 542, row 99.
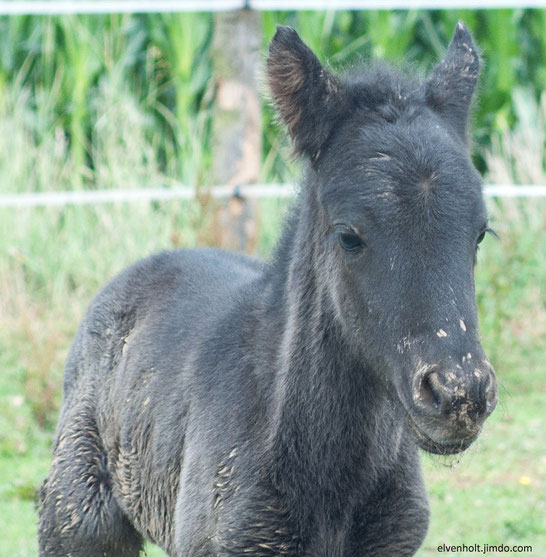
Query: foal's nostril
column 424, row 391
column 429, row 391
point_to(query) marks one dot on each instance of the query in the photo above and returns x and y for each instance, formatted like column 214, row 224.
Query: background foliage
column 124, row 101
column 79, row 74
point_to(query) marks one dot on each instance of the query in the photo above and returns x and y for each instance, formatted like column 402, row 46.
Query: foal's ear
column 450, row 87
column 306, row 94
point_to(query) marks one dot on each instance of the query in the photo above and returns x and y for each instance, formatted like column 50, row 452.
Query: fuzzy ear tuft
column 451, row 85
column 307, row 96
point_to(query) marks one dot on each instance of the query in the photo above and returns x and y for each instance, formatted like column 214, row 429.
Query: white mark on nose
column 469, row 356
column 459, row 390
column 381, row 157
column 441, row 333
column 462, row 325
column 404, row 344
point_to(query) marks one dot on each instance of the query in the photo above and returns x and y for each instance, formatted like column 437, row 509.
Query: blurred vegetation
column 124, row 101
column 75, row 75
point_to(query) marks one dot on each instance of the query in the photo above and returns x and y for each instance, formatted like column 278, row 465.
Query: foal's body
column 185, row 432
column 221, row 406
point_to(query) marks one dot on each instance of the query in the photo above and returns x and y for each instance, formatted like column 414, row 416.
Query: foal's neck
column 327, row 406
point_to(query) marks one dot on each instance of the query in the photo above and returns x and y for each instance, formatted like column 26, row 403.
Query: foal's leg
column 78, row 513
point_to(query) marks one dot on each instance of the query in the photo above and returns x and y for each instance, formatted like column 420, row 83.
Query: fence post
column 236, row 128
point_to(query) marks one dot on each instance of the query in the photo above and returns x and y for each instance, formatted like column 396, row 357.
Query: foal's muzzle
column 450, row 404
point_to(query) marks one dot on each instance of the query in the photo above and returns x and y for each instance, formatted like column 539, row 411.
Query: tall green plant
column 80, row 62
column 182, row 40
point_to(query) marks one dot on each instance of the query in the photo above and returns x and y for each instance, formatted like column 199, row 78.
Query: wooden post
column 236, row 128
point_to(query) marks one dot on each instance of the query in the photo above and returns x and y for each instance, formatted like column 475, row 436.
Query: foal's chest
column 269, row 526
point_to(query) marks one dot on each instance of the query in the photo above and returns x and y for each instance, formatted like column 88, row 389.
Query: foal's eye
column 348, row 239
column 485, row 231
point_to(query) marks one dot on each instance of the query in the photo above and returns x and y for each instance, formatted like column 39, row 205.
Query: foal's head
column 400, row 217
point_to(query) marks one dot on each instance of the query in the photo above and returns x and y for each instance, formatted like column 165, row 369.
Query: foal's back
column 120, row 439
